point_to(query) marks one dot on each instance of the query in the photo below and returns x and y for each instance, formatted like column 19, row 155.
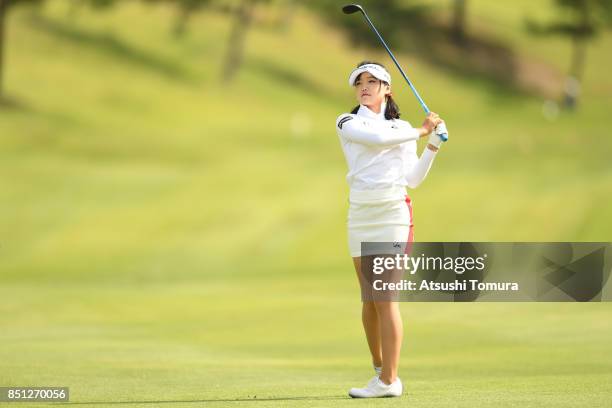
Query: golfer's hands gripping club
column 442, row 132
column 435, row 127
column 429, row 124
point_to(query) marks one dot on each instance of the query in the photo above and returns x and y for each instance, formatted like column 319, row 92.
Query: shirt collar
column 365, row 111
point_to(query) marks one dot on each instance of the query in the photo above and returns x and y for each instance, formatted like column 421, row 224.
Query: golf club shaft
column 441, row 132
column 416, row 93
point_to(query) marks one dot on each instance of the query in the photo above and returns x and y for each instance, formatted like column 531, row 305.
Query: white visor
column 376, row 70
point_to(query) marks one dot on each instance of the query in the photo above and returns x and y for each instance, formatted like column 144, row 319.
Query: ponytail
column 392, row 110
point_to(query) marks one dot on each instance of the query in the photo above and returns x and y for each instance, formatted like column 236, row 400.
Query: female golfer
column 381, row 153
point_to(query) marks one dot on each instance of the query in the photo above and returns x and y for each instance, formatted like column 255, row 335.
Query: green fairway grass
column 169, row 239
column 229, row 343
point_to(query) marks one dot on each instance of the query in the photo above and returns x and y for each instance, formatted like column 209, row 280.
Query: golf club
column 354, row 8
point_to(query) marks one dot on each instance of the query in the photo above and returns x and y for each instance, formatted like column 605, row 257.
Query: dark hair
column 392, row 110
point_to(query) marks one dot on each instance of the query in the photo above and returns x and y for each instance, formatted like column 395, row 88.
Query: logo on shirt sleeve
column 344, row 120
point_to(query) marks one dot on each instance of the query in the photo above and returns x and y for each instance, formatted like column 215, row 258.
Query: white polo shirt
column 381, row 153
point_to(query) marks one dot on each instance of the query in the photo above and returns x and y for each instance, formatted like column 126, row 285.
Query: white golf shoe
column 377, row 389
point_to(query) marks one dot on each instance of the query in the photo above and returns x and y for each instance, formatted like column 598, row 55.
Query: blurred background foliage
column 164, row 131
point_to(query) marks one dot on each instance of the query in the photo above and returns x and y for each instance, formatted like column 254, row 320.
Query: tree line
column 580, row 21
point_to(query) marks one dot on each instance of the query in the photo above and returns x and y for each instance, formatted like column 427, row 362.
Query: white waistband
column 368, row 196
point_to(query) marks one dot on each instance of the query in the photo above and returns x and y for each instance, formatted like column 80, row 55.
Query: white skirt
column 379, row 216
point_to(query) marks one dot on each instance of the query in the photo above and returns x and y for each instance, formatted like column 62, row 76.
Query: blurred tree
column 290, row 7
column 77, row 5
column 243, row 18
column 581, row 21
column 2, row 38
column 459, row 22
column 186, row 9
column 393, row 19
column 5, row 6
column 101, row 4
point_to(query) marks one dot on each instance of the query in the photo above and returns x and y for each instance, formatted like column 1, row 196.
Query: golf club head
column 351, row 8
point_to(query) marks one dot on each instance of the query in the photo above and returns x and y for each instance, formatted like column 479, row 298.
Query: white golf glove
column 434, row 138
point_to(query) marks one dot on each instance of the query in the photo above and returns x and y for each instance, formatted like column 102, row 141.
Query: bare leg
column 369, row 318
column 392, row 331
